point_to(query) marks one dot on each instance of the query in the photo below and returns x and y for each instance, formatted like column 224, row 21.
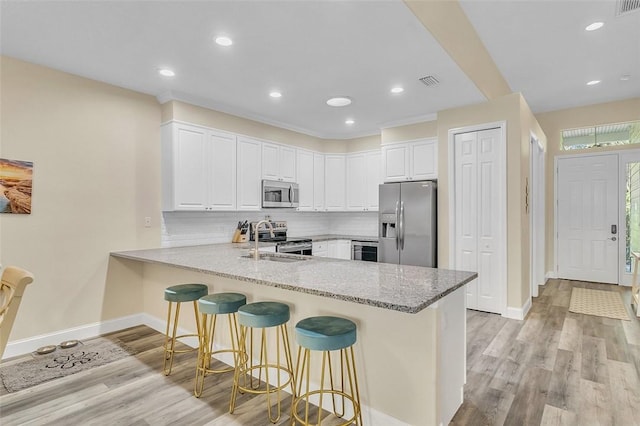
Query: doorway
column 587, row 218
column 537, row 215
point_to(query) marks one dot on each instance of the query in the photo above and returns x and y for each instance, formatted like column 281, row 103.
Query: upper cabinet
column 278, row 162
column 249, row 182
column 195, row 163
column 416, row 160
column 363, row 178
column 334, row 182
column 318, row 182
column 305, row 181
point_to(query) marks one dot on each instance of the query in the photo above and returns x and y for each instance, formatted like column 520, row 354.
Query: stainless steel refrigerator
column 407, row 223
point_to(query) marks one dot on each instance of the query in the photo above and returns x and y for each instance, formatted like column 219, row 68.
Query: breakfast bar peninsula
column 410, row 351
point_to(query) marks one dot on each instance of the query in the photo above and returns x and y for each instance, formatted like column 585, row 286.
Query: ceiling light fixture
column 339, row 101
column 594, row 26
column 397, row 90
column 349, row 121
column 593, row 82
column 224, row 41
column 275, row 94
column 166, row 72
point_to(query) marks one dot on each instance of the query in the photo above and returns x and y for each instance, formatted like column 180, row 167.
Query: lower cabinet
column 337, row 249
column 319, row 248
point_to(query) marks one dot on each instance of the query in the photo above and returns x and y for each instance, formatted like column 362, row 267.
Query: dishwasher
column 364, row 250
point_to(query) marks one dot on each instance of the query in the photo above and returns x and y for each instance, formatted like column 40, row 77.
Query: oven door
column 302, row 248
column 364, row 250
column 279, row 194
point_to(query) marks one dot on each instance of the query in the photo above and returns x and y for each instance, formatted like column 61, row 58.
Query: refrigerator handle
column 401, row 225
column 397, row 224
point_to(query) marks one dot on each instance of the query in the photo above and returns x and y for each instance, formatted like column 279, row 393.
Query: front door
column 588, row 218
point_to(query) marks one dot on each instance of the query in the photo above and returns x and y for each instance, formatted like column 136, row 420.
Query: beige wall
column 95, row 150
column 529, row 126
column 426, row 129
column 507, row 108
column 553, row 123
column 176, row 110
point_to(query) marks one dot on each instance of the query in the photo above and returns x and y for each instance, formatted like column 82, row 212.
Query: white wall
column 195, row 228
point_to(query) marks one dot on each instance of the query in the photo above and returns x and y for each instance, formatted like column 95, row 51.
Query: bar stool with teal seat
column 178, row 294
column 210, row 306
column 257, row 378
column 326, row 334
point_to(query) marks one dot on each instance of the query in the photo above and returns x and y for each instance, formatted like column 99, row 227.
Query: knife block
column 239, row 237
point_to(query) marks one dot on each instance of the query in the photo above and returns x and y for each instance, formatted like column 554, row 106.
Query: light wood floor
column 556, row 367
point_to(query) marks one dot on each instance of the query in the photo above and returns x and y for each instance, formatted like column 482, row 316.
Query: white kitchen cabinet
column 363, row 178
column 416, row 160
column 356, row 182
column 198, row 168
column 305, row 163
column 319, row 248
column 278, row 162
column 249, row 183
column 339, row 249
column 318, row 182
column 374, row 179
column 334, row 180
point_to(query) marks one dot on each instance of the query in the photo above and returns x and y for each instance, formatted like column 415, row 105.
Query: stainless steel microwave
column 279, row 194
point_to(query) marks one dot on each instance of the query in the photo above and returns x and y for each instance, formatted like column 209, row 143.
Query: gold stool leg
column 240, row 368
column 206, row 349
column 170, row 339
column 353, row 384
column 246, row 367
column 348, row 377
column 204, row 353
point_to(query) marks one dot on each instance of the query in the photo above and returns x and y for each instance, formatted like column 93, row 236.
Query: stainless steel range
column 283, row 244
column 295, row 246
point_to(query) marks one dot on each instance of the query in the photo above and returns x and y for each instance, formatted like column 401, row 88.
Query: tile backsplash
column 196, row 228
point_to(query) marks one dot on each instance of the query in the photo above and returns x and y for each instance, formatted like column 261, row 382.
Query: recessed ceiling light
column 397, row 89
column 166, row 72
column 349, row 121
column 224, row 41
column 594, row 26
column 593, row 82
column 275, row 94
column 625, row 77
column 339, row 101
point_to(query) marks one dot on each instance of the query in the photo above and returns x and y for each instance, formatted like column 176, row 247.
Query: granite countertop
column 401, row 288
column 328, row 237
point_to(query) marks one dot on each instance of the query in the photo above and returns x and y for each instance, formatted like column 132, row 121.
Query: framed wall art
column 16, row 179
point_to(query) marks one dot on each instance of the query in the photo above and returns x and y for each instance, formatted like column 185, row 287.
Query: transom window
column 604, row 135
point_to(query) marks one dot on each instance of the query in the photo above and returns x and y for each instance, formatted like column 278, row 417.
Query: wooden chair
column 12, row 284
column 635, row 287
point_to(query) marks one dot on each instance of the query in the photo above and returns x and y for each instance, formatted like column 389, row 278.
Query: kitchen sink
column 278, row 258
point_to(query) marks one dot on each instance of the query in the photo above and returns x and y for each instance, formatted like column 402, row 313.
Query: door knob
column 613, row 238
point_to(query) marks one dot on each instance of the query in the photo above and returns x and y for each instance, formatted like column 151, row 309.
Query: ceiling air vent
column 431, row 80
column 627, row 6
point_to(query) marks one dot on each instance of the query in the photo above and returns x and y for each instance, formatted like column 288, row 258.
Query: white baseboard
column 551, row 275
column 518, row 313
column 87, row 331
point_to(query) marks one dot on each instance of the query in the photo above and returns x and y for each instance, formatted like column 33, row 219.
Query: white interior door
column 587, row 218
column 479, row 216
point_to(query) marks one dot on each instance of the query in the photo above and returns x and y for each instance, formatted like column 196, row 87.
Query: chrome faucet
column 256, row 254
